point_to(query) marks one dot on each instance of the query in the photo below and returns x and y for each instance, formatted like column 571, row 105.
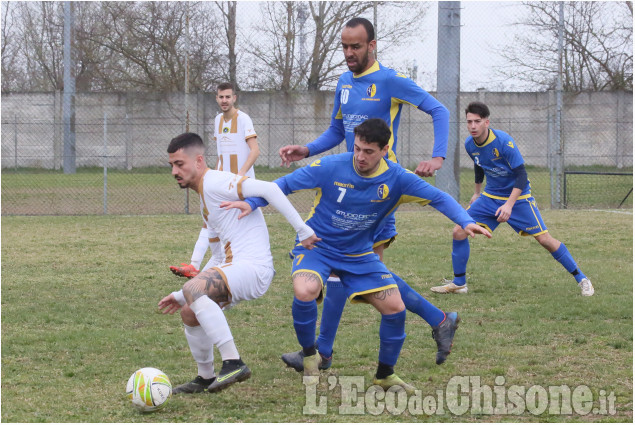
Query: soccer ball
column 148, row 389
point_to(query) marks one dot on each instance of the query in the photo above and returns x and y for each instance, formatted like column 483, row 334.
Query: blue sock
column 333, row 305
column 460, row 255
column 419, row 305
column 392, row 333
column 563, row 256
column 304, row 320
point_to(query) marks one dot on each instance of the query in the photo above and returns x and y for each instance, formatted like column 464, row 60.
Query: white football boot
column 449, row 287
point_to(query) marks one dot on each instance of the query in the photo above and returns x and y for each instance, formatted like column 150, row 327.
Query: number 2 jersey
column 497, row 156
column 348, row 208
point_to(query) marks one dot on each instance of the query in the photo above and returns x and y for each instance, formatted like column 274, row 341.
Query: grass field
column 153, row 190
column 79, row 315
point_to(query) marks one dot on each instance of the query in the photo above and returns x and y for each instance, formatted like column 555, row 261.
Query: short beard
column 361, row 65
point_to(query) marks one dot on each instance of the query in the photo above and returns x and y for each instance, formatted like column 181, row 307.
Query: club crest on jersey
column 495, row 153
column 225, row 129
column 382, row 191
column 371, row 90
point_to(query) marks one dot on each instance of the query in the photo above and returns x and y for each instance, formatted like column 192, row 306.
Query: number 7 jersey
column 348, row 208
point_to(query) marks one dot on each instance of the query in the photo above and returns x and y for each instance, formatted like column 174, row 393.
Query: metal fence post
column 105, row 163
column 448, row 90
column 15, row 142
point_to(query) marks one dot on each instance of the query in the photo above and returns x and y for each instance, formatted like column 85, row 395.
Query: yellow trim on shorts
column 229, row 291
column 386, row 241
column 504, row 198
column 359, row 255
column 370, row 291
column 485, row 226
column 523, row 233
column 309, row 271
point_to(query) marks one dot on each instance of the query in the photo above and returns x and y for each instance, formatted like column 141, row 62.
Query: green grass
column 79, row 316
column 152, row 191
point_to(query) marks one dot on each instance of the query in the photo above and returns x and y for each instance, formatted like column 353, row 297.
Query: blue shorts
column 387, row 233
column 525, row 218
column 361, row 274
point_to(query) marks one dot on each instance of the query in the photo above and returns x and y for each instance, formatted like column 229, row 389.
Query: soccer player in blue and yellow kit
column 355, row 193
column 506, row 198
column 370, row 90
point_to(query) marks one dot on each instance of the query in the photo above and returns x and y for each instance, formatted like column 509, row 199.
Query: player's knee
column 306, row 291
column 550, row 243
column 458, row 233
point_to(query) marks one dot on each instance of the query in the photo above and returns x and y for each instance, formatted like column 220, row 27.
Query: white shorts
column 245, row 280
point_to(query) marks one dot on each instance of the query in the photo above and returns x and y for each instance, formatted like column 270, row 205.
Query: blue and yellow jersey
column 497, row 157
column 348, row 208
column 379, row 92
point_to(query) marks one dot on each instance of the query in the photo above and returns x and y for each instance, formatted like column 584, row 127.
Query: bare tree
column 276, row 65
column 10, row 74
column 282, row 66
column 228, row 10
column 40, row 38
column 598, row 38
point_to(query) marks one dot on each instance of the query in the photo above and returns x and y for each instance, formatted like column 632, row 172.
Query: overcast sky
column 486, row 27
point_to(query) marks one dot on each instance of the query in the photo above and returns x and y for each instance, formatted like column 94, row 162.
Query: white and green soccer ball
column 148, row 389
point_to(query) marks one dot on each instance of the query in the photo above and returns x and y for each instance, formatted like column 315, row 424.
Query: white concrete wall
column 597, row 129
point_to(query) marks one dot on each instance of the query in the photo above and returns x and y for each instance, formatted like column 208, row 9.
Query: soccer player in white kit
column 245, row 273
column 237, row 149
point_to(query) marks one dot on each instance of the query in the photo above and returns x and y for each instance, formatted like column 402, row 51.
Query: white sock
column 228, row 351
column 200, row 248
column 202, row 350
column 214, row 322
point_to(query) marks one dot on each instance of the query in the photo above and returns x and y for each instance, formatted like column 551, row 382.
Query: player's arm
column 505, row 211
column 332, row 137
column 441, row 125
column 272, row 193
column 254, row 151
column 420, row 191
column 479, row 176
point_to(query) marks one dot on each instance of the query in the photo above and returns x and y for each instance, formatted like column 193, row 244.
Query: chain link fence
column 121, row 138
column 121, row 142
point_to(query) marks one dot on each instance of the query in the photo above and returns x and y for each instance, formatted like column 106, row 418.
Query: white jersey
column 244, row 240
column 231, row 142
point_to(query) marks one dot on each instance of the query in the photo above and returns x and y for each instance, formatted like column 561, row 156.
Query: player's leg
column 527, row 220
column 307, row 285
column 332, row 308
column 202, row 349
column 309, row 270
column 562, row 255
column 203, row 294
column 391, row 336
column 482, row 211
column 443, row 324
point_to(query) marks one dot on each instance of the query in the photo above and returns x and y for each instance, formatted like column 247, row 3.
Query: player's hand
column 472, row 229
column 503, row 213
column 169, row 305
column 244, row 207
column 474, row 198
column 427, row 168
column 291, row 153
column 309, row 243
